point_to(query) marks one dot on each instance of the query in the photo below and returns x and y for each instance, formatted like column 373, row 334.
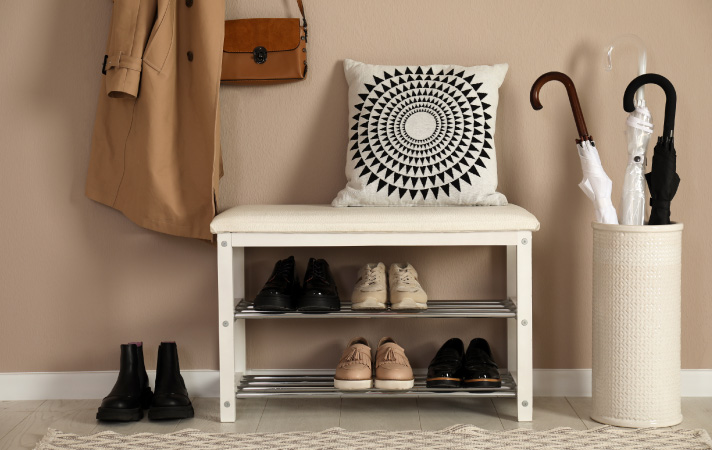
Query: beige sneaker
column 354, row 370
column 370, row 291
column 406, row 292
column 393, row 369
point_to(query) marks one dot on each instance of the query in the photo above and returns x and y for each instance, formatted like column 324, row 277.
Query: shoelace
column 404, row 276
column 284, row 270
column 319, row 270
column 371, row 276
column 407, row 281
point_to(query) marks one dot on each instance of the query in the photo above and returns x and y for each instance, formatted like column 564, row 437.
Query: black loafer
column 319, row 293
column 445, row 370
column 281, row 290
column 480, row 370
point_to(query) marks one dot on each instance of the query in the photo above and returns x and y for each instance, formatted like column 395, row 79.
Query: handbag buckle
column 260, row 55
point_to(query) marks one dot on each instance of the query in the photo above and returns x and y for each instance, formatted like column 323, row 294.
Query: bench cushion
column 327, row 219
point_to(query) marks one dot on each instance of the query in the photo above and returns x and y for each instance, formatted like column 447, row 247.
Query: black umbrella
column 663, row 180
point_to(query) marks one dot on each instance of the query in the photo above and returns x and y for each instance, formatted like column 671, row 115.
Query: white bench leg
column 519, row 330
column 239, row 338
column 226, row 324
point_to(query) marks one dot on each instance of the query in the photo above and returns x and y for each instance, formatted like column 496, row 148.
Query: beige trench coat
column 156, row 146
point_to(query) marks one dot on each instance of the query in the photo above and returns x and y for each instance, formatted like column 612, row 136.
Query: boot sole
column 273, row 303
column 394, row 385
column 119, row 415
column 171, row 412
column 319, row 304
column 353, row 385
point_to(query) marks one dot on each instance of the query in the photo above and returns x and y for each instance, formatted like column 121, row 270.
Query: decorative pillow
column 421, row 135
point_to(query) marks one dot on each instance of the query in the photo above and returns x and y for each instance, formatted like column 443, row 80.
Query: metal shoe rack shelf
column 237, row 382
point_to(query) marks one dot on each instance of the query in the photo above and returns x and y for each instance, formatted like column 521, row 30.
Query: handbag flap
column 276, row 35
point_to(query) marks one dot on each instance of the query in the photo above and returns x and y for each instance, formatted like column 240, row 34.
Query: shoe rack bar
column 236, row 381
column 437, row 309
column 317, row 384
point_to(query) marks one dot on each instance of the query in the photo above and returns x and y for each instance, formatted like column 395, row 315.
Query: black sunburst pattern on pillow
column 421, row 132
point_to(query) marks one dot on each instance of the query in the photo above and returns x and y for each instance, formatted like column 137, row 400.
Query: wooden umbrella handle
column 573, row 99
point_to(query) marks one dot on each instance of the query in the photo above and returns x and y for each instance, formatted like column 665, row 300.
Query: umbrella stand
column 636, row 295
column 663, row 179
column 636, row 325
column 595, row 184
column 637, row 273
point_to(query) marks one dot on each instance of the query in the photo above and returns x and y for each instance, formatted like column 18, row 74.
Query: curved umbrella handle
column 642, row 57
column 670, row 101
column 573, row 99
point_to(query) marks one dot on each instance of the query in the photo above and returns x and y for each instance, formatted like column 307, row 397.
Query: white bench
column 325, row 226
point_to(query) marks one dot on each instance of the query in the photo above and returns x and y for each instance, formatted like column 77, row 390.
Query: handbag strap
column 301, row 9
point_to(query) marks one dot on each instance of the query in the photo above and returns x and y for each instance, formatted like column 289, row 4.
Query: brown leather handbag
column 265, row 51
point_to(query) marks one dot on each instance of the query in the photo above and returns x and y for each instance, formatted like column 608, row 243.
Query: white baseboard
column 577, row 382
column 562, row 382
column 91, row 385
column 205, row 383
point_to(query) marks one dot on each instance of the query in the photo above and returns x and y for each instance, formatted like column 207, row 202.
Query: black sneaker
column 445, row 370
column 480, row 370
column 319, row 292
column 281, row 290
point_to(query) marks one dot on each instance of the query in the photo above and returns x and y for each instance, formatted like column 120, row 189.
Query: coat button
column 188, row 3
column 190, row 56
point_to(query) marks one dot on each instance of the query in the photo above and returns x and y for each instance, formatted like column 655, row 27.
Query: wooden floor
column 22, row 424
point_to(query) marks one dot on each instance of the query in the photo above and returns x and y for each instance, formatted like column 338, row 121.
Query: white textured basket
column 636, row 325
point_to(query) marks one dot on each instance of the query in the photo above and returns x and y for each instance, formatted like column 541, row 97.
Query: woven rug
column 457, row 437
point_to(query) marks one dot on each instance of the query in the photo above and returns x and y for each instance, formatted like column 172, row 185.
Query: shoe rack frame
column 236, row 381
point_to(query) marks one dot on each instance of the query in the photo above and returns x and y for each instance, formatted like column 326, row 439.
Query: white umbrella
column 633, row 197
column 595, row 184
column 638, row 132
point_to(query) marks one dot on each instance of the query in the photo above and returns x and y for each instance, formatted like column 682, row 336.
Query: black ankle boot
column 170, row 398
column 131, row 391
column 146, row 394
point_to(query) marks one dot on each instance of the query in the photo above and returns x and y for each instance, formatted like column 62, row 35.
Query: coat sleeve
column 131, row 24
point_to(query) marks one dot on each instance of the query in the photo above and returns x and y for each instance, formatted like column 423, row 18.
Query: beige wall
column 77, row 279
